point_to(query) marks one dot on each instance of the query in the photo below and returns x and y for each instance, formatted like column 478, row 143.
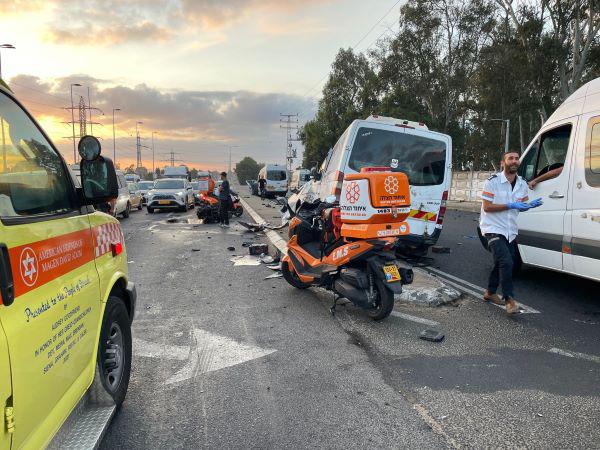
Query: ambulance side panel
column 5, row 387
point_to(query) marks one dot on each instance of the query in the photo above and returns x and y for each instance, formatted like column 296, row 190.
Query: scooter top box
column 375, row 197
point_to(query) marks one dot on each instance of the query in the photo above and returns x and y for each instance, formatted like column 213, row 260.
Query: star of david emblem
column 29, row 266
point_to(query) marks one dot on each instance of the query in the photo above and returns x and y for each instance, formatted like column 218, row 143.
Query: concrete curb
column 273, row 236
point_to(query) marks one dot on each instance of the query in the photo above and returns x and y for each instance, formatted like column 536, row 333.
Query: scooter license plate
column 391, row 273
column 163, row 202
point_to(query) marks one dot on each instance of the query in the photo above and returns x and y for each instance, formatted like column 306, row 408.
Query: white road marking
column 431, row 323
column 212, row 352
column 209, row 352
column 273, row 236
column 473, row 289
column 162, row 351
column 570, row 354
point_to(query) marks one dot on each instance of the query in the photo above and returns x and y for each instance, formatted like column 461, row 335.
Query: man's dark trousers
column 504, row 254
column 224, row 211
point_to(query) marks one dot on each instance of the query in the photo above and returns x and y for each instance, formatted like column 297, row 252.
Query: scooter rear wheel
column 291, row 277
column 385, row 302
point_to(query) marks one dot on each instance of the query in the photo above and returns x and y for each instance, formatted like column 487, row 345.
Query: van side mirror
column 99, row 181
column 315, row 174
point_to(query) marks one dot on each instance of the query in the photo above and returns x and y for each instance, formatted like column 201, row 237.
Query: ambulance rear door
column 52, row 324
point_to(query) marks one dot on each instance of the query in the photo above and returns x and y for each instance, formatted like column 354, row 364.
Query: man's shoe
column 225, row 225
column 511, row 306
column 494, row 298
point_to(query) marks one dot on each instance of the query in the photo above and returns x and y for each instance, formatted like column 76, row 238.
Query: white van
column 425, row 156
column 564, row 233
column 299, row 177
column 277, row 179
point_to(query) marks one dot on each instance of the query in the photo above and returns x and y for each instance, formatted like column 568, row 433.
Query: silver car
column 135, row 195
column 145, row 186
column 122, row 204
column 170, row 193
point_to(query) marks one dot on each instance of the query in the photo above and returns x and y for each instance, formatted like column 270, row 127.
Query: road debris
column 440, row 249
column 258, row 249
column 247, row 260
column 266, row 259
column 231, row 249
column 274, row 275
column 431, row 335
column 275, row 267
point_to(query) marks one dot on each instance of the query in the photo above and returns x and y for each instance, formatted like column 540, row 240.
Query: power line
column 357, row 44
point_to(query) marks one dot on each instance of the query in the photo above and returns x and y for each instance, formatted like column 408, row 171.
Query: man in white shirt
column 504, row 195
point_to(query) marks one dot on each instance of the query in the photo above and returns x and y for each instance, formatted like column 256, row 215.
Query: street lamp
column 5, row 46
column 230, row 147
column 138, row 144
column 73, row 122
column 114, row 142
column 507, row 122
column 153, row 171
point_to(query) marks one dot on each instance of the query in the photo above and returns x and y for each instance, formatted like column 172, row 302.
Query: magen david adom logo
column 391, row 185
column 352, row 192
column 29, row 266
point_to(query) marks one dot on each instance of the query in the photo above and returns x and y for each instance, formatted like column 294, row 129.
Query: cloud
column 200, row 124
column 118, row 34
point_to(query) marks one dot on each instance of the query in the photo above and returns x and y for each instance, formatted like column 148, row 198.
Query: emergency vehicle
column 66, row 300
column 564, row 233
column 425, row 157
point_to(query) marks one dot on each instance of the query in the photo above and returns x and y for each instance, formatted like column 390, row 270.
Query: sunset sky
column 204, row 74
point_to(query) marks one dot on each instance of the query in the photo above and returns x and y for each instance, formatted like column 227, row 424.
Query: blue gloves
column 535, row 203
column 523, row 206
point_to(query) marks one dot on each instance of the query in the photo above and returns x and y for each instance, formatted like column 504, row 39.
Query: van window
column 592, row 169
column 422, row 159
column 276, row 175
column 548, row 153
column 33, row 178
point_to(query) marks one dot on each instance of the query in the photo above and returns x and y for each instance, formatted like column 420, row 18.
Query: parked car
column 145, row 186
column 564, row 233
column 252, row 187
column 277, row 179
column 299, row 177
column 135, row 195
column 196, row 192
column 171, row 193
column 122, row 204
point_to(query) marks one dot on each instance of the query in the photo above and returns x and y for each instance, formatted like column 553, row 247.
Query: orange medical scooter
column 348, row 246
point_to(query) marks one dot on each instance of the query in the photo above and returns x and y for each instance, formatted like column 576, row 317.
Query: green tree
column 350, row 93
column 247, row 169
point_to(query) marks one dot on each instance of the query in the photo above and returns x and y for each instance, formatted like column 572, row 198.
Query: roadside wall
column 466, row 186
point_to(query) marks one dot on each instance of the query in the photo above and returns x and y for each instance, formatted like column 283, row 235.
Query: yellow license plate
column 391, row 273
column 163, row 202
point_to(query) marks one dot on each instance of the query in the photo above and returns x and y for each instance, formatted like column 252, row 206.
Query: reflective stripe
column 422, row 215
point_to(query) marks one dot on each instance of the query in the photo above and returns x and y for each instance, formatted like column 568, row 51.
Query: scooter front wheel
column 385, row 302
column 292, row 277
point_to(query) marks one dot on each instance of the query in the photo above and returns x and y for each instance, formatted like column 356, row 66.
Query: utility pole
column 172, row 160
column 289, row 122
column 153, row 170
column 73, row 122
column 138, row 146
column 230, row 147
column 506, row 123
column 114, row 140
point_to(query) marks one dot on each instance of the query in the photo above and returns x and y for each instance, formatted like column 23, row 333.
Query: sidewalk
column 461, row 205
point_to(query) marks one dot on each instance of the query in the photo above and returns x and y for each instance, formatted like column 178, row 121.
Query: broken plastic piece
column 432, row 335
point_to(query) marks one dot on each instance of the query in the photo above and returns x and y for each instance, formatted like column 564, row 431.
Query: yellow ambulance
column 66, row 300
